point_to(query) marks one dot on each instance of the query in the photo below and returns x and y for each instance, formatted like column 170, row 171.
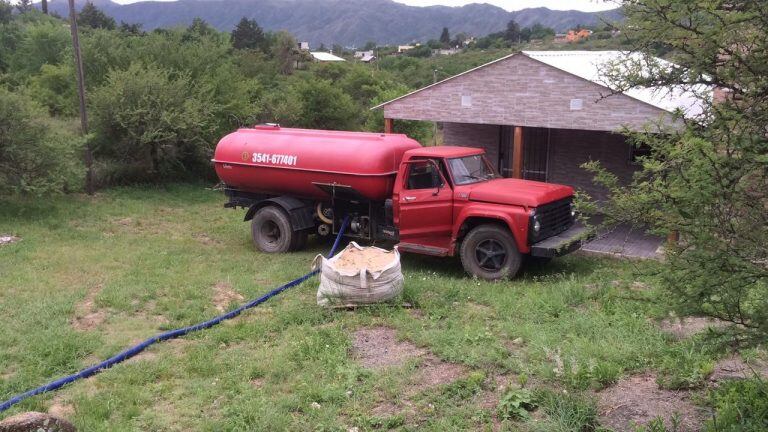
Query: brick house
column 541, row 114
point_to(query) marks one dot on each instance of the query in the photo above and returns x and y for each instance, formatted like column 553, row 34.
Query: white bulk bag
column 345, row 279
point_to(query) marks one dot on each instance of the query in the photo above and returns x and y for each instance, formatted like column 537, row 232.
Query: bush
column 324, row 106
column 740, row 406
column 146, row 118
column 55, row 88
column 37, row 154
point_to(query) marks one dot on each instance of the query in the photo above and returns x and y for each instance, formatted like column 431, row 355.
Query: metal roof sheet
column 593, row 65
column 324, row 56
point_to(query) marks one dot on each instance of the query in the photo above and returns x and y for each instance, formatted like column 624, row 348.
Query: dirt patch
column 8, row 239
column 682, row 328
column 637, row 400
column 124, row 221
column 373, row 259
column 224, row 295
column 60, row 407
column 87, row 317
column 433, row 372
column 206, row 239
column 378, row 348
column 735, row 367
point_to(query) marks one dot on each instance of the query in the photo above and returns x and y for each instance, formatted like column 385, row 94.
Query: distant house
column 322, row 56
column 368, row 59
column 303, row 46
column 449, row 51
column 561, row 38
column 362, row 54
column 578, row 35
column 404, row 48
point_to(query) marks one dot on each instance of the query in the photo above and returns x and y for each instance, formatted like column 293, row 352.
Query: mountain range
column 345, row 22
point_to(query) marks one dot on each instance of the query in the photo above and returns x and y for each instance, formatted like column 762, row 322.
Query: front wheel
column 489, row 252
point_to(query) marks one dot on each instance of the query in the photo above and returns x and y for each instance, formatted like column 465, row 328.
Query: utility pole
column 44, row 6
column 81, row 94
column 434, row 124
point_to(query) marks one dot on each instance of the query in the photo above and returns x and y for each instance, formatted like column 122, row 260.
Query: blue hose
column 171, row 334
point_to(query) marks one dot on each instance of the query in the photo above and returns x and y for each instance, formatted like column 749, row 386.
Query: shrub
column 146, row 118
column 740, row 406
column 37, row 154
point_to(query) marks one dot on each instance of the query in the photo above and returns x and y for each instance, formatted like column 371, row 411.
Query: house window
column 466, row 101
column 577, row 104
column 637, row 151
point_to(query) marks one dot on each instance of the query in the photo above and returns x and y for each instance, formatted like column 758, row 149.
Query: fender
column 301, row 213
column 515, row 218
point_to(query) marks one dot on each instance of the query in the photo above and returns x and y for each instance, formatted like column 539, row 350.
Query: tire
column 489, row 252
column 272, row 232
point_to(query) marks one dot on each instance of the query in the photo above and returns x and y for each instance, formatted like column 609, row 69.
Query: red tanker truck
column 439, row 201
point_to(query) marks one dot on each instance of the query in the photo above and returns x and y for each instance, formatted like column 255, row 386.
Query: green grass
column 153, row 255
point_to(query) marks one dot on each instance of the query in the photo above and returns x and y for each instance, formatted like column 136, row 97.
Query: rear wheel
column 489, row 252
column 272, row 232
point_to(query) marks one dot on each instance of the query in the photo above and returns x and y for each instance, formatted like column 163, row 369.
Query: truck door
column 425, row 208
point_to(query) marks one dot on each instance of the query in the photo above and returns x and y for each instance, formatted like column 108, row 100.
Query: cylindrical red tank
column 284, row 161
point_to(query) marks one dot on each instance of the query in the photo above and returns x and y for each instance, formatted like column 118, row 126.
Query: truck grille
column 554, row 218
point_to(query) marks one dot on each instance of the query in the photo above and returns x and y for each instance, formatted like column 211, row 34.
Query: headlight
column 536, row 224
column 573, row 210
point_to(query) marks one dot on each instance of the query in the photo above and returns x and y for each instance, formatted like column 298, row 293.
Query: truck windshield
column 470, row 169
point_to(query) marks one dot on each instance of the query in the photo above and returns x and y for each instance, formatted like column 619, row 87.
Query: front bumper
column 564, row 243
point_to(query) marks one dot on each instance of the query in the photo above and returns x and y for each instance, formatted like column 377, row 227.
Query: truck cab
column 448, row 201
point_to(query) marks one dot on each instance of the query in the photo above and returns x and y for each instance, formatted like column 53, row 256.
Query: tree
column 93, row 17
column 199, row 29
column 44, row 6
column 512, row 33
column 248, row 35
column 370, row 45
column 131, row 29
column 445, row 37
column 324, row 106
column 539, row 31
column 707, row 177
column 37, row 154
column 24, row 6
column 285, row 52
column 150, row 126
column 6, row 12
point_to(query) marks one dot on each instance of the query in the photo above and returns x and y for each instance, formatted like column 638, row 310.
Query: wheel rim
column 491, row 255
column 270, row 232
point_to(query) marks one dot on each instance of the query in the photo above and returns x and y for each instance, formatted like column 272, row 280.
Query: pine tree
column 445, row 37
column 93, row 17
column 248, row 35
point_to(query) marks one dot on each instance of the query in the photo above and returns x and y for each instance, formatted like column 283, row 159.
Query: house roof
column 590, row 65
column 324, row 56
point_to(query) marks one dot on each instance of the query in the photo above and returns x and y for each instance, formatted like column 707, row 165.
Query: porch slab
column 625, row 241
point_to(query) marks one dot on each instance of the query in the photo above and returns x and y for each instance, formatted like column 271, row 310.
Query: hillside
column 346, row 22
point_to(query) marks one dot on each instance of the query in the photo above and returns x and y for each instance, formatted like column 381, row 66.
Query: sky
column 510, row 5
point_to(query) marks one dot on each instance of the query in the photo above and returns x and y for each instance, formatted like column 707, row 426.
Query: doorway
column 536, row 143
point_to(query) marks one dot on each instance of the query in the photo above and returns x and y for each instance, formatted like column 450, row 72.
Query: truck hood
column 518, row 192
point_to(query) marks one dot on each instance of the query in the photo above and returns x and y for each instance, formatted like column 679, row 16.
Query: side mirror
column 437, row 191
